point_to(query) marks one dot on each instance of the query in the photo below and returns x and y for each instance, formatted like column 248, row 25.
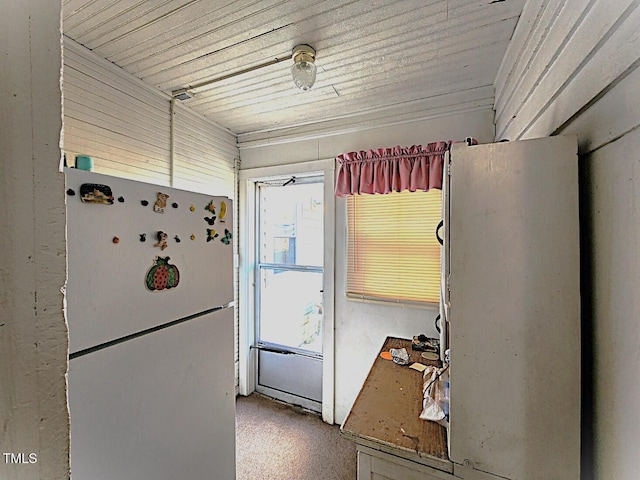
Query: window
column 393, row 254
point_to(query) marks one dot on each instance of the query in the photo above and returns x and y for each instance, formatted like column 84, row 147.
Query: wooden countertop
column 386, row 412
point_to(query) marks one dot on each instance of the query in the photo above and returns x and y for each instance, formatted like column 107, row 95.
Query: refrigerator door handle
column 264, row 348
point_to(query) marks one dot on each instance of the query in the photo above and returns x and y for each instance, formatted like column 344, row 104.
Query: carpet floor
column 275, row 441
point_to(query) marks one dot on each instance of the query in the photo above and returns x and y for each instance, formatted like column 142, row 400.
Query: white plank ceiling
column 371, row 55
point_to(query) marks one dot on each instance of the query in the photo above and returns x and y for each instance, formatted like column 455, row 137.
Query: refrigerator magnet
column 161, row 202
column 162, row 240
column 162, row 275
column 211, row 234
column 223, row 211
column 227, row 237
column 211, row 207
column 95, row 193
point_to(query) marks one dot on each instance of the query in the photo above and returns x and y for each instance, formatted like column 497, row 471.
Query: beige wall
column 572, row 68
column 33, row 333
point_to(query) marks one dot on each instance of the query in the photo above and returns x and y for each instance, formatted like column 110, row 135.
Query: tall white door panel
column 514, row 318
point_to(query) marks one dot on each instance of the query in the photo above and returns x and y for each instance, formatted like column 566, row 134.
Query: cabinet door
column 377, row 465
column 444, row 264
column 514, row 308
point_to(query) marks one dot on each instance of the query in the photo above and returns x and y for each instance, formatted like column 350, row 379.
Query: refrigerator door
column 112, row 250
column 515, row 308
column 158, row 407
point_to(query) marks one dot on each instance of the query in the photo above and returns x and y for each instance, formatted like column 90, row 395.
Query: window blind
column 393, row 254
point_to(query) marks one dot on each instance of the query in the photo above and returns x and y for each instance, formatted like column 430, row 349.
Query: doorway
column 289, row 279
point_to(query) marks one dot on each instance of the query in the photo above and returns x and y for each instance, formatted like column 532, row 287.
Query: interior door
column 289, row 290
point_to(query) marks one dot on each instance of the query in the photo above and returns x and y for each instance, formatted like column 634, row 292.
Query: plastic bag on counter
column 399, row 356
column 432, row 408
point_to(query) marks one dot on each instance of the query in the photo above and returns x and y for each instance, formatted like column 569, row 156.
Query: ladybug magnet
column 162, row 275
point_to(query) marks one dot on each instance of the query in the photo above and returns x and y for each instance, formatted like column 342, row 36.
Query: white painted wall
column 114, row 118
column 33, row 333
column 125, row 126
column 572, row 67
column 360, row 328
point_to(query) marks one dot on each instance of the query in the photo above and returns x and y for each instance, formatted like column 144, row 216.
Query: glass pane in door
column 291, row 228
column 290, row 268
column 291, row 308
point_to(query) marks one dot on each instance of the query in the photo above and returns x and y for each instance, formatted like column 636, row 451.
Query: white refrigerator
column 150, row 315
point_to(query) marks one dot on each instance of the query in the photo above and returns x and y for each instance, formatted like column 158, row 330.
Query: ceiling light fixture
column 303, row 70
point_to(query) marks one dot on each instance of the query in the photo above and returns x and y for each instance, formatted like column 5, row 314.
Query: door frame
column 247, row 362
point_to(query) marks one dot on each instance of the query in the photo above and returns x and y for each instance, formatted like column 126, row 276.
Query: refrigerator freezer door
column 515, row 308
column 108, row 296
column 158, row 407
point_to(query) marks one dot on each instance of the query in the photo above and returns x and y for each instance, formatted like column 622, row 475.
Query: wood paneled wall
column 572, row 68
column 118, row 121
column 125, row 126
column 564, row 56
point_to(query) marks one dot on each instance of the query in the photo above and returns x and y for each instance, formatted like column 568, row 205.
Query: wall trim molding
column 473, row 100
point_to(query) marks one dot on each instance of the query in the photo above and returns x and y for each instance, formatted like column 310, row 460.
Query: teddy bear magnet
column 161, row 202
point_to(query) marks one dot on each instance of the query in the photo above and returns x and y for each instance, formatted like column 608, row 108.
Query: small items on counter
column 422, row 343
column 386, row 355
column 399, row 356
column 430, row 355
column 418, row 366
column 435, row 403
column 443, row 392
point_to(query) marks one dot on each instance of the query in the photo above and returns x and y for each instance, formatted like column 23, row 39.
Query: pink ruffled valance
column 387, row 170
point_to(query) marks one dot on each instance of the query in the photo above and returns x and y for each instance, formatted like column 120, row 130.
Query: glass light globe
column 304, row 74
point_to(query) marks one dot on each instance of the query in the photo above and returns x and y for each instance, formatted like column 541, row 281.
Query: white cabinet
column 376, row 465
column 514, row 308
column 512, row 304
